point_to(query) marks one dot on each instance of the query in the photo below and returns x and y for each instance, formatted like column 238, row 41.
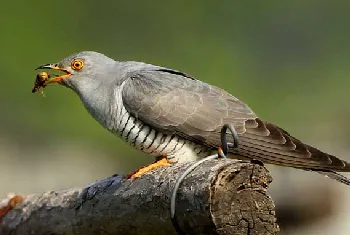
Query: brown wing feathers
column 266, row 141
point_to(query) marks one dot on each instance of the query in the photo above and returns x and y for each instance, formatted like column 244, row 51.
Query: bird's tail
column 270, row 144
column 335, row 176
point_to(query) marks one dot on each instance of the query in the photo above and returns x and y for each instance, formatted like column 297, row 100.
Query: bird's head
column 82, row 70
column 90, row 75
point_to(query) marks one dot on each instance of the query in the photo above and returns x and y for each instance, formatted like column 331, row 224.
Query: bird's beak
column 57, row 78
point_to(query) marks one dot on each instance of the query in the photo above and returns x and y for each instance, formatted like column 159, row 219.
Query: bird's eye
column 77, row 64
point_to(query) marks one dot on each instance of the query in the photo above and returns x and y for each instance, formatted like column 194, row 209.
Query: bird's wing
column 176, row 103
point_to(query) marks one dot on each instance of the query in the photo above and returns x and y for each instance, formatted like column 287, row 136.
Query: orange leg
column 159, row 163
column 221, row 153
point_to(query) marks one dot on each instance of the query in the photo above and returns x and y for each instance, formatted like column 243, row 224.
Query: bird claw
column 160, row 163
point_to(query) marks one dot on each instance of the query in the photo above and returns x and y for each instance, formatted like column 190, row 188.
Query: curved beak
column 57, row 78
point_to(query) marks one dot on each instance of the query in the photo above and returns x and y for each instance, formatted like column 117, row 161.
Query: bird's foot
column 221, row 153
column 160, row 163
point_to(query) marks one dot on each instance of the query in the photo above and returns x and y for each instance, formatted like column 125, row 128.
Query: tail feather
column 335, row 176
column 267, row 142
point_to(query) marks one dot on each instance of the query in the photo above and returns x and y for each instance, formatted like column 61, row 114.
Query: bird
column 177, row 118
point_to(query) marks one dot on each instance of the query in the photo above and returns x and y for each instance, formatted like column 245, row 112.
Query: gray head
column 84, row 70
column 90, row 75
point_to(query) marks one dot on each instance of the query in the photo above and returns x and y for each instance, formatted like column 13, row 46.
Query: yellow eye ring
column 77, row 64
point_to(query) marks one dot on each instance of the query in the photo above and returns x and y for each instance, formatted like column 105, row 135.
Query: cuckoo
column 176, row 117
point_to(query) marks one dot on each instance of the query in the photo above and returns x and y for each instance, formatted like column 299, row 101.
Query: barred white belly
column 155, row 143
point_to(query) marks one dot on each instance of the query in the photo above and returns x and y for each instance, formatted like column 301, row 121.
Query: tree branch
column 219, row 197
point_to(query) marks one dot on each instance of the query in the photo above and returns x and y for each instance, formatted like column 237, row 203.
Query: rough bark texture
column 219, row 197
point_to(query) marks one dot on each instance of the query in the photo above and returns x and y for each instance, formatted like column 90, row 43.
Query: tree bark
column 220, row 196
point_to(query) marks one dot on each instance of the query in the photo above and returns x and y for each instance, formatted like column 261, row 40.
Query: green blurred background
column 287, row 59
